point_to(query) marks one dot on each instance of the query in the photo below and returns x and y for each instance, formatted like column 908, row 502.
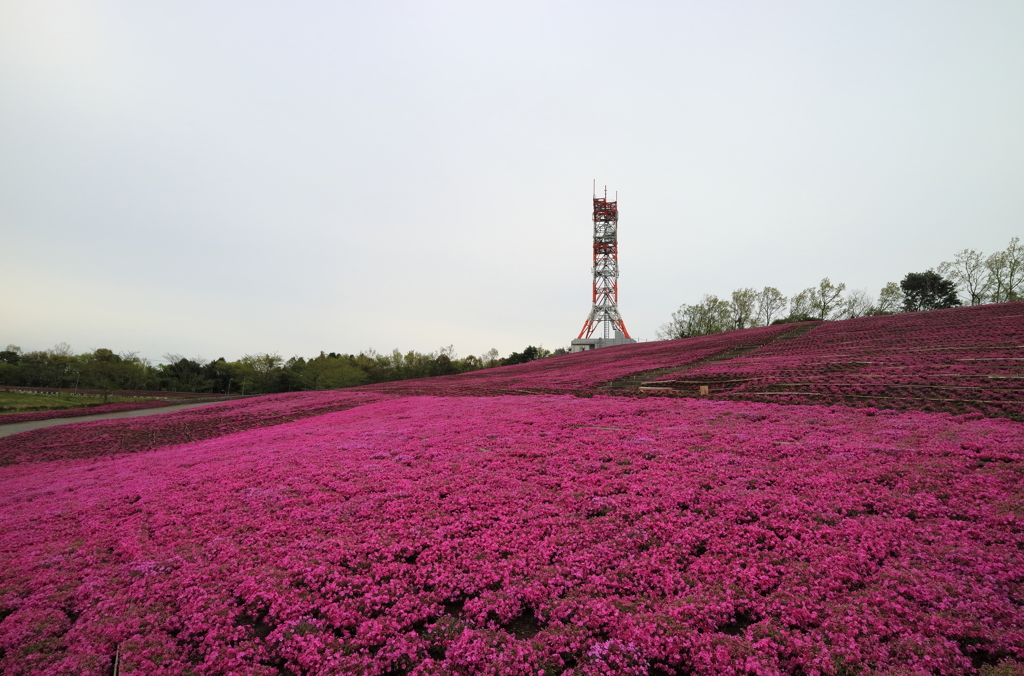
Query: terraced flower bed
column 955, row 360
column 527, row 535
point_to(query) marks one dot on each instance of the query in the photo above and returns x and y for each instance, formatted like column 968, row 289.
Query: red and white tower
column 605, row 308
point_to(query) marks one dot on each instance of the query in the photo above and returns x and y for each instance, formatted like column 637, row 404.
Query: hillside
column 555, row 517
column 959, row 360
column 584, row 372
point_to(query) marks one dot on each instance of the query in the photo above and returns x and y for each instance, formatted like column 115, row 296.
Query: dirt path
column 15, row 428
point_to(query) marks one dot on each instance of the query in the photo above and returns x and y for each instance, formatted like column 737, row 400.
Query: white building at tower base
column 584, row 344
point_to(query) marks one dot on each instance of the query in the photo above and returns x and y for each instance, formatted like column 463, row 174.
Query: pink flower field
column 519, row 535
column 445, row 526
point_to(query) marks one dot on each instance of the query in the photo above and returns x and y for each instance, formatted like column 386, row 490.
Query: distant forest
column 971, row 278
column 106, row 370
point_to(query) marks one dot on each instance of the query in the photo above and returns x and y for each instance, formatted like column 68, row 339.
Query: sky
column 223, row 178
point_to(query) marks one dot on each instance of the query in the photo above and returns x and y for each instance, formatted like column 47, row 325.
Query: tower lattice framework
column 605, row 308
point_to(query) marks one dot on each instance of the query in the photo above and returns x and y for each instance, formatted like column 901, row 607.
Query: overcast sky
column 220, row 178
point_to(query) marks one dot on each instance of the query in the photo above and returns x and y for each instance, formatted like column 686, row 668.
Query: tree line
column 971, row 277
column 261, row 373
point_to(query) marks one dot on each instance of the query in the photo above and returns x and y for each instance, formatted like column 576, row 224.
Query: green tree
column 61, row 364
column 185, row 375
column 858, row 303
column 1006, row 272
column 927, row 291
column 340, row 372
column 102, row 370
column 220, row 374
column 11, row 354
column 970, row 274
column 333, row 371
column 801, row 306
column 10, row 357
column 770, row 304
column 710, row 315
column 744, row 308
column 259, row 370
column 531, row 353
column 890, row 299
column 443, row 363
column 135, row 371
column 826, row 300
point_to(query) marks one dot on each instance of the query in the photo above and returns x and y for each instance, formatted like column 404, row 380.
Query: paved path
column 15, row 428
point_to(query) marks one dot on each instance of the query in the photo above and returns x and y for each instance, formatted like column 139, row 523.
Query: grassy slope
column 21, row 402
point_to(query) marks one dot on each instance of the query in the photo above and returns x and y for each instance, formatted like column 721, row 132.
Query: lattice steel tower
column 605, row 310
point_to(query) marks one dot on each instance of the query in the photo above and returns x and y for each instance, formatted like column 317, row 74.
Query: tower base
column 584, row 344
